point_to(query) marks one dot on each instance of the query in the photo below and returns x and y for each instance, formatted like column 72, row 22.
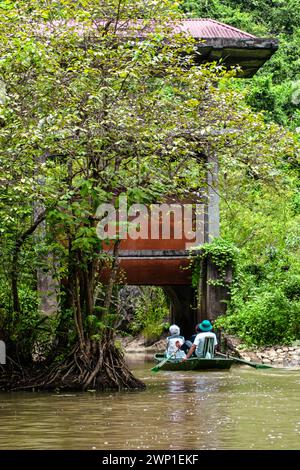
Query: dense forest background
column 264, row 222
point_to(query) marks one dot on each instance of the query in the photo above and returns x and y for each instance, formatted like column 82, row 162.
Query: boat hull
column 194, row 363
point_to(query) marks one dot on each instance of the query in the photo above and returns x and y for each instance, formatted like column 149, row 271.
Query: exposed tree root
column 97, row 366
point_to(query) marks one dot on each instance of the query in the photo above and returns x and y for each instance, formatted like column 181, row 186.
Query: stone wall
column 279, row 356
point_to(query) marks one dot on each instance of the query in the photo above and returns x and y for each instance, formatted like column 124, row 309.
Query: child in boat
column 174, row 343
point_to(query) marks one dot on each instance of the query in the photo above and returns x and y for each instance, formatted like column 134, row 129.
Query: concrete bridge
column 165, row 262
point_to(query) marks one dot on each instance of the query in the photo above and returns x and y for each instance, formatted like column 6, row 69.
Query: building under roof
column 231, row 46
column 217, row 42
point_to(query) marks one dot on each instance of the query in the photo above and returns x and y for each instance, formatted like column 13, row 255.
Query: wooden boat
column 194, row 363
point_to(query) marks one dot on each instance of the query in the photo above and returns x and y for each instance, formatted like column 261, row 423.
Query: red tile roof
column 206, row 28
column 199, row 28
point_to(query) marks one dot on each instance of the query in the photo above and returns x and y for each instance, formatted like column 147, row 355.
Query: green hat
column 205, row 326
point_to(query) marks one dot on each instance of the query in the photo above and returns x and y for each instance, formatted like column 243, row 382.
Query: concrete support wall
column 212, row 302
column 213, row 199
column 216, row 296
column 47, row 288
column 47, row 285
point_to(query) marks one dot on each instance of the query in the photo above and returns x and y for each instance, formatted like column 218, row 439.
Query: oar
column 251, row 364
column 157, row 368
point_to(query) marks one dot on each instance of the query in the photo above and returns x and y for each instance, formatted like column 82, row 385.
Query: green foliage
column 270, row 89
column 151, row 313
column 291, row 288
column 222, row 253
column 29, row 332
column 80, row 123
column 262, row 219
column 268, row 318
column 263, row 224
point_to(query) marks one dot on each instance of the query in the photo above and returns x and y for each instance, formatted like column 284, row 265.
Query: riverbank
column 279, row 356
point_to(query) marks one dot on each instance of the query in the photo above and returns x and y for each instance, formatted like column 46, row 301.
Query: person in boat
column 205, row 331
column 189, row 342
column 174, row 343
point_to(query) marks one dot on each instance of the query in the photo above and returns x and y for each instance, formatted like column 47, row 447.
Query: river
column 243, row 408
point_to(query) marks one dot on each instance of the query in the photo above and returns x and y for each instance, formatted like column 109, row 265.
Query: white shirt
column 199, row 341
column 172, row 348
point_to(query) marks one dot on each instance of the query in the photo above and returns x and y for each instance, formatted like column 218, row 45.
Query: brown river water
column 243, row 408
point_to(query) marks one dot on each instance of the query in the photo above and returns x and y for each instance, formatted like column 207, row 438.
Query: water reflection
column 196, row 412
column 238, row 409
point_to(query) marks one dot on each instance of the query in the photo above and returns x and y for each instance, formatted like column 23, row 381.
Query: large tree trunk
column 93, row 361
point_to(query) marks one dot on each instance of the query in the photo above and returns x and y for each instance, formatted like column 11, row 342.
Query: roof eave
column 250, row 54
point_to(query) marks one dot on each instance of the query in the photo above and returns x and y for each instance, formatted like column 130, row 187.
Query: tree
column 86, row 90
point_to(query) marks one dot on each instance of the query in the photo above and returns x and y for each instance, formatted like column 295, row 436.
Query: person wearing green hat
column 204, row 330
